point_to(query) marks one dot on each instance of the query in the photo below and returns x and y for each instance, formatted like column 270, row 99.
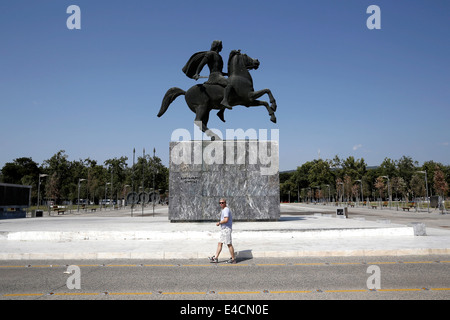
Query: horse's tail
column 170, row 96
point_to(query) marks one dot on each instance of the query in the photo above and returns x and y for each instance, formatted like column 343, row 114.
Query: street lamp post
column 132, row 181
column 309, row 194
column 154, row 172
column 426, row 187
column 78, row 204
column 362, row 197
column 143, row 190
column 39, row 187
column 389, row 193
column 125, row 194
column 328, row 193
column 318, row 194
column 342, row 195
column 106, row 187
column 111, row 200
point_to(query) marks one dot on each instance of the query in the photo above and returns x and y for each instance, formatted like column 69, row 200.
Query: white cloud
column 356, row 147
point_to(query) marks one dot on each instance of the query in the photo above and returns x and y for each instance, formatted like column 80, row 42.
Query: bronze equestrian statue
column 219, row 92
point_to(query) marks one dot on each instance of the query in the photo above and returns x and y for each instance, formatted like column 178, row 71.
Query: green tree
column 284, row 189
column 319, row 173
column 406, row 167
column 440, row 184
column 388, row 168
column 52, row 188
column 348, row 187
column 117, row 174
column 398, row 185
column 289, row 190
column 60, row 184
column 380, row 186
column 149, row 169
column 431, row 168
column 355, row 169
column 22, row 171
column 316, row 174
column 418, row 185
column 14, row 172
column 339, row 190
column 96, row 176
column 300, row 176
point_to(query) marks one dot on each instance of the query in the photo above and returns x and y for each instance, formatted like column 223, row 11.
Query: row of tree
column 61, row 179
column 336, row 179
column 343, row 180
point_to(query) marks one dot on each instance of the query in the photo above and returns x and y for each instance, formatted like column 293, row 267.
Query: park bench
column 409, row 206
column 385, row 204
column 374, row 206
column 93, row 209
column 59, row 209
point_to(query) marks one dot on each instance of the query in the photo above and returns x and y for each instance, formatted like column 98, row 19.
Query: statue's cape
column 191, row 66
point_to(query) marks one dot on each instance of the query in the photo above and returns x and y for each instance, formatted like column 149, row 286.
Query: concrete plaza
column 302, row 231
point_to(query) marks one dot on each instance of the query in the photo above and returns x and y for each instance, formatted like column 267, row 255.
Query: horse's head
column 249, row 62
column 238, row 59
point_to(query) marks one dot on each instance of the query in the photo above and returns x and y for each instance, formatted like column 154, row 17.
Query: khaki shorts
column 225, row 236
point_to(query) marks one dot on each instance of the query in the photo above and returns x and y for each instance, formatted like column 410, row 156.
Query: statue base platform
column 244, row 172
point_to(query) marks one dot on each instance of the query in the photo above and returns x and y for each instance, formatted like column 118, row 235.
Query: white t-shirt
column 226, row 212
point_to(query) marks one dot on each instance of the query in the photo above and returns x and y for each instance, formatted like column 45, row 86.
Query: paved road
column 253, row 279
column 259, row 279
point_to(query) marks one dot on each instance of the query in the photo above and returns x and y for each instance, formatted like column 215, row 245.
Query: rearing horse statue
column 202, row 98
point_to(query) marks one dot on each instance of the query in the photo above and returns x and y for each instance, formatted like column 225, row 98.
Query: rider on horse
column 214, row 61
column 237, row 89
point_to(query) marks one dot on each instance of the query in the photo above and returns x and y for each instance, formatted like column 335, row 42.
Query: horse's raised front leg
column 257, row 103
column 257, row 94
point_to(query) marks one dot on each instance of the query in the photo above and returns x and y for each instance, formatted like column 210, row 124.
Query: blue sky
column 340, row 88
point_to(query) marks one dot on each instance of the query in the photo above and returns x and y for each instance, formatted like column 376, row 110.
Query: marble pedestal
column 245, row 172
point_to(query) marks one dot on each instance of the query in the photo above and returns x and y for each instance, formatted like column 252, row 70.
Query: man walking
column 225, row 223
